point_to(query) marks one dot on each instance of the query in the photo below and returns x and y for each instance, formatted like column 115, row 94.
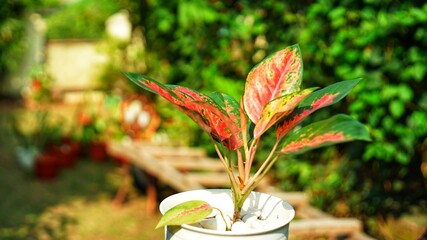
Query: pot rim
column 286, row 220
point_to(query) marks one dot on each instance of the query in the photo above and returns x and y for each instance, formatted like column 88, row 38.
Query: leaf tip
column 159, row 225
column 185, row 213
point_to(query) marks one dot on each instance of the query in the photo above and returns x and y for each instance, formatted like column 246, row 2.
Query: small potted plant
column 36, row 137
column 272, row 98
column 38, row 92
column 92, row 128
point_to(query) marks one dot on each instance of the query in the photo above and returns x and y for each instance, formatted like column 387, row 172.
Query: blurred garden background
column 62, row 89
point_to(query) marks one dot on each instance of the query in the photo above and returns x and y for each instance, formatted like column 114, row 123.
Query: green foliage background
column 12, row 31
column 88, row 19
column 211, row 45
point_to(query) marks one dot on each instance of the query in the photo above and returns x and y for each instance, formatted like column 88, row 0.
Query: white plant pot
column 27, row 156
column 277, row 212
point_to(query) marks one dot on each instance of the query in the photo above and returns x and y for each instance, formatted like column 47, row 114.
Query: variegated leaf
column 275, row 76
column 277, row 109
column 337, row 129
column 231, row 108
column 186, row 213
column 316, row 100
column 199, row 107
column 167, row 92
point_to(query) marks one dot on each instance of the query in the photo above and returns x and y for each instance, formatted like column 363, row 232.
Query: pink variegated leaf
column 337, row 129
column 199, row 107
column 231, row 108
column 228, row 104
column 314, row 101
column 277, row 109
column 224, row 129
column 166, row 91
column 275, row 76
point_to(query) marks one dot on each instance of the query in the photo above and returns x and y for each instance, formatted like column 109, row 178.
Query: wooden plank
column 306, row 228
column 207, row 164
column 361, row 236
column 166, row 151
column 296, row 199
column 209, row 179
column 144, row 160
column 312, row 212
column 186, row 158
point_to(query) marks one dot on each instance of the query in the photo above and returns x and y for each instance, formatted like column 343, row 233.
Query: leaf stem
column 258, row 175
column 249, row 158
column 223, row 160
column 241, row 167
column 223, row 218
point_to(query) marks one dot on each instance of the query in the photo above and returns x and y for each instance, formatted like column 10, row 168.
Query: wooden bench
column 187, row 169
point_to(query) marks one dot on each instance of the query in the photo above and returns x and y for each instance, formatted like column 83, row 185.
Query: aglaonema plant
column 272, row 98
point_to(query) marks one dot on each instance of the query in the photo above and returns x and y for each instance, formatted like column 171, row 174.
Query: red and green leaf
column 231, row 108
column 276, row 76
column 314, row 101
column 276, row 109
column 186, row 213
column 211, row 115
column 337, row 129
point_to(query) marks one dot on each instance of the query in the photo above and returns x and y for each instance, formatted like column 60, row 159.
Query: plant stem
column 223, row 218
column 258, row 175
column 224, row 161
column 241, row 167
column 249, row 158
column 239, row 199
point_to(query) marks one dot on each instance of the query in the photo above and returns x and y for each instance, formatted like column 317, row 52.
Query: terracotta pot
column 47, row 167
column 75, row 149
column 277, row 212
column 67, row 152
column 74, row 146
column 98, row 151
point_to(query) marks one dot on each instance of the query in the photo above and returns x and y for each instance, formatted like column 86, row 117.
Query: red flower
column 36, row 85
column 84, row 119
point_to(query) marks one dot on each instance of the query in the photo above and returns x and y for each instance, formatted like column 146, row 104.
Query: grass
column 76, row 205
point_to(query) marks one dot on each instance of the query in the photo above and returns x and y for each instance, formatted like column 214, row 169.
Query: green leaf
column 397, row 108
column 337, row 129
column 186, row 213
column 275, row 76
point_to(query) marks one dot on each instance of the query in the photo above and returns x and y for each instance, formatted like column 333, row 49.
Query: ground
column 77, row 205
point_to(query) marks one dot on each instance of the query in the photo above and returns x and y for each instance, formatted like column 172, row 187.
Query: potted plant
column 37, row 137
column 92, row 128
column 67, row 151
column 38, row 92
column 272, row 98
